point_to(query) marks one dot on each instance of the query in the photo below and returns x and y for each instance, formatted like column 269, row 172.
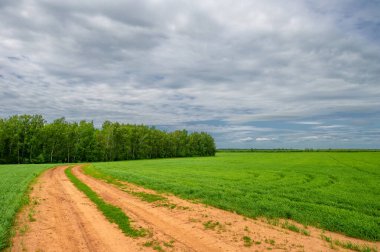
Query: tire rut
column 154, row 218
column 187, row 223
column 64, row 221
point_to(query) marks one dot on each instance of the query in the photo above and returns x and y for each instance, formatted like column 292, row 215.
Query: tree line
column 30, row 139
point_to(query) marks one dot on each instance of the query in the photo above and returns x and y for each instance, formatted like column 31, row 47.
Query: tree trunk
column 51, row 154
column 30, row 154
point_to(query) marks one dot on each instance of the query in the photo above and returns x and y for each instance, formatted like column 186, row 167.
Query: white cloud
column 170, row 62
column 310, row 137
column 246, row 139
column 308, row 123
column 259, row 139
column 330, row 126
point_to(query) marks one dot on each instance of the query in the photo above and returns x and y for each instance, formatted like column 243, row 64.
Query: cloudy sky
column 260, row 74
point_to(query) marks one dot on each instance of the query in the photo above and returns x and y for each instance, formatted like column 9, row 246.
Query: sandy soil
column 65, row 220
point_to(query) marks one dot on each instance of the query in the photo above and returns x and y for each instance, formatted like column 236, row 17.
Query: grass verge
column 16, row 184
column 348, row 245
column 148, row 197
column 112, row 213
column 294, row 228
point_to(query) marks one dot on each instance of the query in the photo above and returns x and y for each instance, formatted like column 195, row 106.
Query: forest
column 30, row 139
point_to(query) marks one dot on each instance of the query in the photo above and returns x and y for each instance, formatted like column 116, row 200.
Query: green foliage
column 20, row 138
column 270, row 241
column 14, row 182
column 331, row 190
column 247, row 241
column 211, row 224
column 155, row 245
column 112, row 213
column 29, row 139
column 291, row 227
column 348, row 245
column 89, row 170
column 169, row 244
column 148, row 197
column 294, row 228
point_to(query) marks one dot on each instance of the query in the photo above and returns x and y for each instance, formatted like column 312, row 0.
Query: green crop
column 14, row 182
column 336, row 191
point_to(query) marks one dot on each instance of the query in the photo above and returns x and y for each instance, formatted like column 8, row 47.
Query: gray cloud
column 177, row 63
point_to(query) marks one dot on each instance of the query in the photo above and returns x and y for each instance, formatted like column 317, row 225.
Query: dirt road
column 63, row 219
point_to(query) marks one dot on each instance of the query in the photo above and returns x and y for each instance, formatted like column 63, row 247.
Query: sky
column 253, row 74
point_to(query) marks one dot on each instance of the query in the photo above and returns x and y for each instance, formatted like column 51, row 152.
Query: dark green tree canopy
column 30, row 139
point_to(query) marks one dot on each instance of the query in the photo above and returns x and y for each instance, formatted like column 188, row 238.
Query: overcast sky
column 254, row 74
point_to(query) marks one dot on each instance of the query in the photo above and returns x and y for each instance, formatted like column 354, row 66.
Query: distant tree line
column 30, row 139
column 298, row 150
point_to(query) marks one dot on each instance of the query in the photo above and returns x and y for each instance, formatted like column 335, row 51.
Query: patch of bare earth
column 64, row 219
column 61, row 218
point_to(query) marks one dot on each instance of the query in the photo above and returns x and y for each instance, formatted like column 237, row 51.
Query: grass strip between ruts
column 112, row 213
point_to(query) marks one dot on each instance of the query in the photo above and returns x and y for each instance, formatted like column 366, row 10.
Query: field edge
column 112, row 213
column 24, row 202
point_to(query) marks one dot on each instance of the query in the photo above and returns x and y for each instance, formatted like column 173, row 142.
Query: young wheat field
column 335, row 191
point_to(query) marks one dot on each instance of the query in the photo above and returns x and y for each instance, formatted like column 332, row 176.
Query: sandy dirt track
column 65, row 220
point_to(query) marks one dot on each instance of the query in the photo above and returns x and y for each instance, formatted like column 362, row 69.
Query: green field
column 334, row 191
column 14, row 181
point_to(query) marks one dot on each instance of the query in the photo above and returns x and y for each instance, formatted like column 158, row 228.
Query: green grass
column 148, row 197
column 336, row 191
column 112, row 213
column 155, row 245
column 169, row 244
column 270, row 241
column 247, row 241
column 14, row 182
column 294, row 228
column 212, row 225
column 348, row 245
column 354, row 246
